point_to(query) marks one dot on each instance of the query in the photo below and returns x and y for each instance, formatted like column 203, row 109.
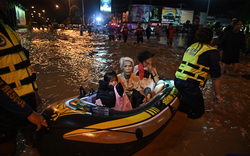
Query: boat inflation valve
column 138, row 133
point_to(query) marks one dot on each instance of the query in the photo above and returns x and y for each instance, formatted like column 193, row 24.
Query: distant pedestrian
column 139, row 33
column 148, row 31
column 89, row 29
column 125, row 33
column 192, row 31
column 170, row 34
column 81, row 30
column 231, row 43
column 119, row 33
column 111, row 32
column 157, row 31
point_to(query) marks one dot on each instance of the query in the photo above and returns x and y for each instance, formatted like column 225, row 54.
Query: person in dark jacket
column 139, row 33
column 106, row 91
column 231, row 43
column 148, row 31
column 16, row 70
column 12, row 111
column 229, row 27
column 125, row 33
column 192, row 31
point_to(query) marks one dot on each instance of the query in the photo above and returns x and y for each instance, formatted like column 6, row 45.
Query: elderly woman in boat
column 130, row 82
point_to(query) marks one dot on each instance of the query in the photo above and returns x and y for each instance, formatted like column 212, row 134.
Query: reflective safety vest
column 189, row 67
column 15, row 68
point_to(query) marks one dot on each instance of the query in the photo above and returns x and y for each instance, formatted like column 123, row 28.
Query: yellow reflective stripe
column 12, row 67
column 9, row 60
column 23, row 56
column 114, row 123
column 156, row 109
column 150, row 112
column 191, row 56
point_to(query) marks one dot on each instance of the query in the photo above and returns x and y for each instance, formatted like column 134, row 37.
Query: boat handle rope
column 172, row 109
column 91, row 91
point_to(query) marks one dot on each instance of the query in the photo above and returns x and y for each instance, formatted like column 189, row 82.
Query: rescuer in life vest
column 199, row 61
column 139, row 33
column 15, row 69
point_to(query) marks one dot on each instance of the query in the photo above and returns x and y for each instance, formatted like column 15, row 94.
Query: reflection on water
column 67, row 57
column 64, row 61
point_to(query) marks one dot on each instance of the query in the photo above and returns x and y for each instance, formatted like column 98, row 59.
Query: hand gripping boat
column 99, row 131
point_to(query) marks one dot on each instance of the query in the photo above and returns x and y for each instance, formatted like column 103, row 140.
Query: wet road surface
column 64, row 61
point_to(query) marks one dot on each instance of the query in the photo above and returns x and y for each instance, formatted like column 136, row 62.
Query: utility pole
column 149, row 12
column 181, row 4
column 130, row 13
column 207, row 13
column 69, row 7
column 83, row 19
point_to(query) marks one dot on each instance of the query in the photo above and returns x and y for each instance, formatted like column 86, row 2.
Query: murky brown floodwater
column 64, row 61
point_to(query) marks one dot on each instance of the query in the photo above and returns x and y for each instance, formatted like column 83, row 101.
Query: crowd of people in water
column 132, row 88
column 137, row 84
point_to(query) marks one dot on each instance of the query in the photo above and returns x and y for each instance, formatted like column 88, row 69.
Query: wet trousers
column 148, row 36
column 139, row 39
column 193, row 103
column 111, row 37
column 125, row 37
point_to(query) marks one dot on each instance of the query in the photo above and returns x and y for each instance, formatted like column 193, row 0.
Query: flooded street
column 64, row 61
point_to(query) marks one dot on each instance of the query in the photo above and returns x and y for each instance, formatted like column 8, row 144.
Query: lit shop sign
column 105, row 5
column 168, row 14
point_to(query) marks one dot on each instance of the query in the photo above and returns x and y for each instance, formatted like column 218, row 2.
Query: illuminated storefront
column 20, row 16
column 168, row 15
column 105, row 5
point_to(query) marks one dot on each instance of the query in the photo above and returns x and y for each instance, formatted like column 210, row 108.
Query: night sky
column 216, row 6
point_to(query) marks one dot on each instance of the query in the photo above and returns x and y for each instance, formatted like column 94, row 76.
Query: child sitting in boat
column 111, row 93
column 147, row 73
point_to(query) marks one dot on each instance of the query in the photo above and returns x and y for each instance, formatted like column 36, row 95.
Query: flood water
column 64, row 61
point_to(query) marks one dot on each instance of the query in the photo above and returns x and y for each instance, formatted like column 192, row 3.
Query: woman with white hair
column 130, row 82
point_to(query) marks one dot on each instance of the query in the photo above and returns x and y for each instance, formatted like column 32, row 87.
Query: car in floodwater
column 55, row 25
column 62, row 26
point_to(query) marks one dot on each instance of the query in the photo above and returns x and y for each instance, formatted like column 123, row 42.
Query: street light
column 32, row 7
column 43, row 10
column 57, row 6
column 34, row 11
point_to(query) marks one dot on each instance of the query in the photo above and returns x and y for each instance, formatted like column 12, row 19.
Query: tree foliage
column 74, row 15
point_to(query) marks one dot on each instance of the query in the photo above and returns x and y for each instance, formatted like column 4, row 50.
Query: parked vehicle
column 55, row 25
column 62, row 26
column 70, row 26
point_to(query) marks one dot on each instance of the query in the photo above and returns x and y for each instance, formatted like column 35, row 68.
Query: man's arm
column 11, row 102
column 216, row 85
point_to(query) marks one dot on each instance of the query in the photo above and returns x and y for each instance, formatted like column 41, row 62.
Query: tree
column 75, row 15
